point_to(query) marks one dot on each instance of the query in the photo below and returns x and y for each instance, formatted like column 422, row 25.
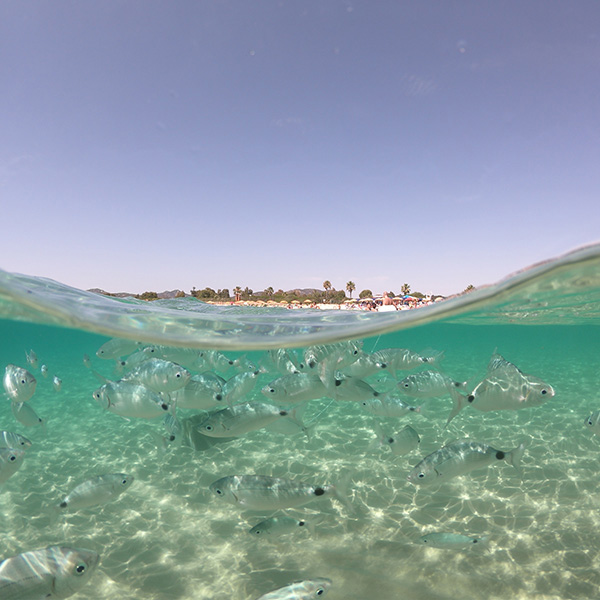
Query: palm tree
column 350, row 287
column 405, row 289
column 326, row 286
column 237, row 291
column 269, row 291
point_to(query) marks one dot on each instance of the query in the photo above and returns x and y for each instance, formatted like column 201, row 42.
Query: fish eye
column 177, row 375
column 258, row 532
column 219, row 492
column 124, row 481
column 544, row 392
column 590, row 422
column 164, row 406
column 209, row 428
column 218, row 397
column 80, row 568
column 320, row 592
column 421, row 475
column 172, row 438
column 383, row 365
column 390, row 440
column 271, row 390
column 12, row 458
column 406, row 385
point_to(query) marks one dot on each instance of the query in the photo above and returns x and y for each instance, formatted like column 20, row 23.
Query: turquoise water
column 168, row 537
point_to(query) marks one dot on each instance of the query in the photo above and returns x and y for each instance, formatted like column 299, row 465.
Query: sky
column 148, row 145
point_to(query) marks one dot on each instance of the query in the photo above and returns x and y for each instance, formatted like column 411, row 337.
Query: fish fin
column 99, row 377
column 516, row 455
column 460, row 402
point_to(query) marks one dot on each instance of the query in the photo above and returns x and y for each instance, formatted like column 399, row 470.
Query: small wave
column 564, row 290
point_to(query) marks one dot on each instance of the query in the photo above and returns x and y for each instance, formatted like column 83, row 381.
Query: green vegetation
column 328, row 295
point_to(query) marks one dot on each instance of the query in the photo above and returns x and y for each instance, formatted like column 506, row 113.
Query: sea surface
column 168, row 537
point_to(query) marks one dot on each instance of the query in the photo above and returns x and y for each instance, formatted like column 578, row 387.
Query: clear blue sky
column 150, row 145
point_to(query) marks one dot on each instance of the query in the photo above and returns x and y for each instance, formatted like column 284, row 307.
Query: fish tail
column 459, row 403
column 516, row 455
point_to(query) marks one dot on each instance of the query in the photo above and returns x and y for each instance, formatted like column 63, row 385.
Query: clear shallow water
column 167, row 537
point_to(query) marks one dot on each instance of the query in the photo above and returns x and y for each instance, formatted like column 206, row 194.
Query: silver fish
column 10, row 461
column 459, row 458
column 388, row 406
column 44, row 370
column 129, row 399
column 55, row 572
column 284, row 362
column 295, row 387
column 239, row 385
column 300, row 590
column 364, row 365
column 259, row 492
column 8, row 439
column 244, row 418
column 201, row 392
column 32, row 359
column 159, row 375
column 505, row 387
column 26, row 415
column 401, row 443
column 398, row 359
column 353, row 389
column 116, row 348
column 428, row 384
column 95, row 491
column 451, row 541
column 276, row 526
column 19, row 383
column 57, row 383
column 593, row 422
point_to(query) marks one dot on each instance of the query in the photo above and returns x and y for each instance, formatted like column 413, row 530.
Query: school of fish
column 233, row 398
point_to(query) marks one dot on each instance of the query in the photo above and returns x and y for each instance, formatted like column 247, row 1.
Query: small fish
column 300, row 590
column 19, row 383
column 284, row 362
column 53, row 572
column 505, row 387
column 239, row 386
column 428, row 384
column 216, row 361
column 364, row 366
column 459, row 458
column 593, row 422
column 450, row 541
column 26, row 415
column 388, row 406
column 57, row 383
column 44, row 371
column 259, row 492
column 8, row 439
column 401, row 443
column 295, row 387
column 398, row 359
column 353, row 389
column 32, row 359
column 95, row 491
column 129, row 399
column 243, row 418
column 10, row 461
column 116, row 348
column 87, row 362
column 276, row 526
column 159, row 375
column 201, row 392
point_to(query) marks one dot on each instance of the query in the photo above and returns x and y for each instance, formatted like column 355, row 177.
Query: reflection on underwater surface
column 168, row 536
